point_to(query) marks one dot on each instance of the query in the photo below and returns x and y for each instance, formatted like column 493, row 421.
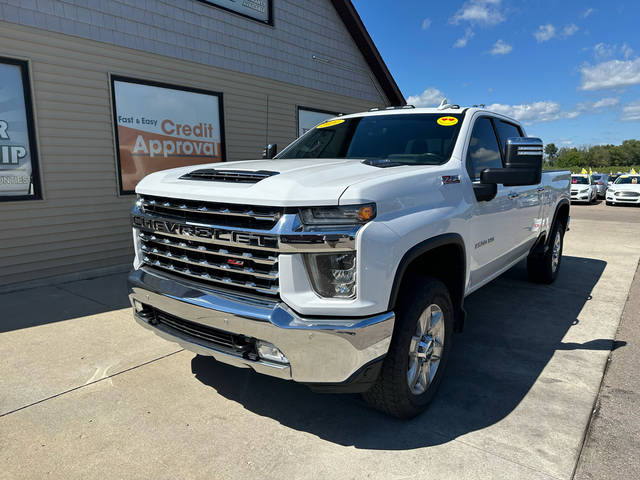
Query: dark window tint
column 411, row 139
column 483, row 151
column 507, row 130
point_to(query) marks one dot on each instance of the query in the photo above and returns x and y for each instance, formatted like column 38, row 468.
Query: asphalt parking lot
column 86, row 393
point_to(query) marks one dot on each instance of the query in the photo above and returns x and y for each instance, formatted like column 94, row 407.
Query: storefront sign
column 161, row 127
column 17, row 148
column 257, row 9
column 309, row 118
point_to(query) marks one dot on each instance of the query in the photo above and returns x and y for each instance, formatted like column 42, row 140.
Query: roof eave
column 363, row 40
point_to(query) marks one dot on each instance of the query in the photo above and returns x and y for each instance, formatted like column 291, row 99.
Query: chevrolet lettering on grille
column 183, row 230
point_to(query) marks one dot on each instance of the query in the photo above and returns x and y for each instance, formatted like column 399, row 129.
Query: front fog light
column 268, row 351
column 333, row 275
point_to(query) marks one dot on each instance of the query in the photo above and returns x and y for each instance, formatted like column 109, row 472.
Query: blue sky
column 569, row 70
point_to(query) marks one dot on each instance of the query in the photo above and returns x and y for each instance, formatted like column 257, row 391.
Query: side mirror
column 523, row 164
column 270, row 151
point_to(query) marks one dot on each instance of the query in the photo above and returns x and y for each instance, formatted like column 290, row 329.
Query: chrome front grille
column 211, row 243
column 627, row 194
column 222, row 214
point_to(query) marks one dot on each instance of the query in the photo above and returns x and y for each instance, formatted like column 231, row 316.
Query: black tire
column 609, row 203
column 392, row 393
column 540, row 268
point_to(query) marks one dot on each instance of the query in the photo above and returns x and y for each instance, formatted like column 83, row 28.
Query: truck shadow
column 514, row 328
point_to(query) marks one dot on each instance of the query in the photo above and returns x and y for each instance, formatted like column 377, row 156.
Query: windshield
column 628, row 179
column 398, row 139
column 596, row 177
column 580, row 180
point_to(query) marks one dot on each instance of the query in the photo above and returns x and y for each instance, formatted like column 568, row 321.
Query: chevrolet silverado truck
column 343, row 262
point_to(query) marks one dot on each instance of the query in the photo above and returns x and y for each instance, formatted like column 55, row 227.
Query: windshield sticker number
column 330, row 123
column 447, row 121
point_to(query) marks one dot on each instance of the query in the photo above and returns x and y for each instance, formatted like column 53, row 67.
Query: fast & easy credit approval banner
column 159, row 127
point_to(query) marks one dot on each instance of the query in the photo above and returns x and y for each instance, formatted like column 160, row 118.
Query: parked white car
column 583, row 189
column 343, row 262
column 626, row 189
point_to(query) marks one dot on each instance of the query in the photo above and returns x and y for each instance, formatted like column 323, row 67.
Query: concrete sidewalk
column 612, row 447
column 87, row 393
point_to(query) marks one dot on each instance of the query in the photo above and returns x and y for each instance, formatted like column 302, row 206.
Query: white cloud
column 610, row 74
column 462, row 41
column 603, row 50
column 481, row 12
column 429, row 98
column 426, row 23
column 573, row 114
column 569, row 30
column 546, row 111
column 608, row 102
column 545, row 33
column 631, row 112
column 588, row 12
column 500, row 48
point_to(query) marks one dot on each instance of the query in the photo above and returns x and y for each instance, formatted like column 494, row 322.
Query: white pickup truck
column 343, row 262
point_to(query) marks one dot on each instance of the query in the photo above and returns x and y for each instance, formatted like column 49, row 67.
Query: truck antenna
column 444, row 104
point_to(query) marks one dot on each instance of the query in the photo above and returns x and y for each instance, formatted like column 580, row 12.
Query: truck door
column 491, row 222
column 527, row 200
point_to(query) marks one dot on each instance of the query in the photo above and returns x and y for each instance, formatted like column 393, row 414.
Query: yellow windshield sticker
column 447, row 121
column 330, row 123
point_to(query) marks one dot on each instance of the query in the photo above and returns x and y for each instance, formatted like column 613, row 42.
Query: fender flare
column 420, row 249
column 543, row 243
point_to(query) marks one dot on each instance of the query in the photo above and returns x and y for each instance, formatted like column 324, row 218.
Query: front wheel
column 414, row 366
column 544, row 268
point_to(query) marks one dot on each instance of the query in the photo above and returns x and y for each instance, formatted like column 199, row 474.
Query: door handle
column 513, row 195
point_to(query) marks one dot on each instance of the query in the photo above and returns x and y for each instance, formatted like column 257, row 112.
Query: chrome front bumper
column 319, row 350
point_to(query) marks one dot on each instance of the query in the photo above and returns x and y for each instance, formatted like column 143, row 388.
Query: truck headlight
column 332, row 275
column 344, row 215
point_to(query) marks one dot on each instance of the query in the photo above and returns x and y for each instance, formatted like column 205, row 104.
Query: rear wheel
column 544, row 268
column 419, row 350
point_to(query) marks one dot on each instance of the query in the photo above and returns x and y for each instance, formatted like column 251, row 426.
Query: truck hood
column 302, row 182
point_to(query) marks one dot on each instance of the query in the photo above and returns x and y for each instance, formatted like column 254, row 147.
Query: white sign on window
column 16, row 161
column 160, row 127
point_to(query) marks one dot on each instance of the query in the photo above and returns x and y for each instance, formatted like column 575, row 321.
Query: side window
column 483, row 151
column 505, row 131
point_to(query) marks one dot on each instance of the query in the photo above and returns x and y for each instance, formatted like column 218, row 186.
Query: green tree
column 570, row 157
column 551, row 151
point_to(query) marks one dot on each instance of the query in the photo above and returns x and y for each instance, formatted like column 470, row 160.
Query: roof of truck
column 409, row 109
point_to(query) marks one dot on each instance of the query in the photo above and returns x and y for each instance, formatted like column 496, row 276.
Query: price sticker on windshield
column 330, row 123
column 447, row 121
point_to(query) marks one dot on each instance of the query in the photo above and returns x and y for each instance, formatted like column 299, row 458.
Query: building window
column 159, row 126
column 19, row 179
column 310, row 117
column 261, row 10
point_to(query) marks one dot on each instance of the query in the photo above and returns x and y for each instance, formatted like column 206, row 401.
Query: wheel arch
column 442, row 257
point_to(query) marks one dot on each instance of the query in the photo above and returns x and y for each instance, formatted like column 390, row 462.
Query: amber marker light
column 366, row 213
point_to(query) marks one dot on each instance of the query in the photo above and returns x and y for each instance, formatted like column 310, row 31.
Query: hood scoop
column 228, row 176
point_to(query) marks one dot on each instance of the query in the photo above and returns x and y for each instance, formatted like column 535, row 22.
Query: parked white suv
column 343, row 263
